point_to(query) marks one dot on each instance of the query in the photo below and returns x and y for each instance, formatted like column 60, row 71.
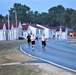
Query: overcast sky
column 36, row 5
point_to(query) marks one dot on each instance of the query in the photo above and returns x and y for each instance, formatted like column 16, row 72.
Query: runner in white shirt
column 43, row 39
column 33, row 41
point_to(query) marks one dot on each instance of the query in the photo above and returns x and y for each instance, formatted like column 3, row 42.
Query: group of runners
column 31, row 39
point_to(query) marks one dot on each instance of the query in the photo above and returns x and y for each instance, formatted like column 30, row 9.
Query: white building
column 9, row 32
column 59, row 32
column 31, row 29
column 13, row 31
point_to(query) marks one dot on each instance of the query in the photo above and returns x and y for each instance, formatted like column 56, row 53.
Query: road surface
column 57, row 52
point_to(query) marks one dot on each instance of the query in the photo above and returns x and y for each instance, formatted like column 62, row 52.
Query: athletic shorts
column 33, row 42
column 36, row 38
column 44, row 43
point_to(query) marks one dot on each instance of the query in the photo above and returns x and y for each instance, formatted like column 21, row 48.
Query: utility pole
column 8, row 27
column 16, row 24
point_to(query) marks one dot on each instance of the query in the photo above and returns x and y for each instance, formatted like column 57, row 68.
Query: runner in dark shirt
column 33, row 41
column 29, row 40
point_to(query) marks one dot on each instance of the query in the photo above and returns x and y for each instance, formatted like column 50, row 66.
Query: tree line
column 57, row 15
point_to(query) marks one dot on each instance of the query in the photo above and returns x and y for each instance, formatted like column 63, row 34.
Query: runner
column 33, row 41
column 37, row 37
column 43, row 39
column 29, row 40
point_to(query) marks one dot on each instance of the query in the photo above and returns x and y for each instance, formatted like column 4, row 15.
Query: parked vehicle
column 21, row 38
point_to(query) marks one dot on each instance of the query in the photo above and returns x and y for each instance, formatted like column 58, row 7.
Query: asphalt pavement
column 57, row 52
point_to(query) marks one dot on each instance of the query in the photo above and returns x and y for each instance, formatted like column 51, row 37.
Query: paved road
column 57, row 52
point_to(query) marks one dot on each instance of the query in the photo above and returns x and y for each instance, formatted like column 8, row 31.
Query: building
column 12, row 31
column 31, row 29
column 9, row 31
column 59, row 32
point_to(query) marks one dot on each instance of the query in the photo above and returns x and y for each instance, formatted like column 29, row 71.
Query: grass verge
column 20, row 70
column 9, row 52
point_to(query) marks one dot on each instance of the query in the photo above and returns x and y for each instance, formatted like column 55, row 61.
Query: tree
column 30, row 17
column 1, row 18
column 43, row 18
column 55, row 15
column 67, row 17
column 20, row 11
column 35, row 16
column 73, row 20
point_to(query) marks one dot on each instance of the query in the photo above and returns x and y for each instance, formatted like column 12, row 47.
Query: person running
column 36, row 37
column 33, row 41
column 43, row 39
column 29, row 40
